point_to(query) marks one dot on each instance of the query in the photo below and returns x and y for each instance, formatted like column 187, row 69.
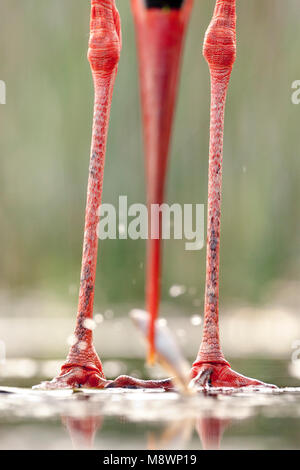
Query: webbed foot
column 75, row 377
column 221, row 375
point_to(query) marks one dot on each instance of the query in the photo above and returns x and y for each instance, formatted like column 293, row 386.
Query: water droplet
column 89, row 324
column 196, row 320
column 176, row 291
column 99, row 318
column 72, row 340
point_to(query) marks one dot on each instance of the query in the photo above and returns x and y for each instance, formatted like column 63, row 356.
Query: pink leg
column 83, row 366
column 219, row 50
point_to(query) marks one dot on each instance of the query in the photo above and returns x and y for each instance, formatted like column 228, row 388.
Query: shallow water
column 118, row 419
column 114, row 419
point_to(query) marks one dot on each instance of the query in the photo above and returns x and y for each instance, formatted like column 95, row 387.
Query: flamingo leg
column 83, row 366
column 210, row 367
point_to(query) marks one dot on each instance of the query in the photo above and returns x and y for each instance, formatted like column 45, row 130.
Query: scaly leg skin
column 221, row 375
column 132, row 383
column 211, row 368
column 160, row 30
column 83, row 367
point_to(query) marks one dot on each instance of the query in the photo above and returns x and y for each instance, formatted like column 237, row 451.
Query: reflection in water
column 27, row 416
column 82, row 430
column 175, row 436
column 210, row 431
column 178, row 434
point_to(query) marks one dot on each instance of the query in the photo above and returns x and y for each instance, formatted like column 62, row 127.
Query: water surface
column 118, row 419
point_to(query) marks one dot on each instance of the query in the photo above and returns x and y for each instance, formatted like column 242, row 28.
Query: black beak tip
column 171, row 4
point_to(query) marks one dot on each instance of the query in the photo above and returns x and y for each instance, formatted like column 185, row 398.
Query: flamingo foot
column 131, row 383
column 75, row 376
column 221, row 375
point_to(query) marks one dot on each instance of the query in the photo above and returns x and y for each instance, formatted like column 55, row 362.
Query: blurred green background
column 45, row 139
